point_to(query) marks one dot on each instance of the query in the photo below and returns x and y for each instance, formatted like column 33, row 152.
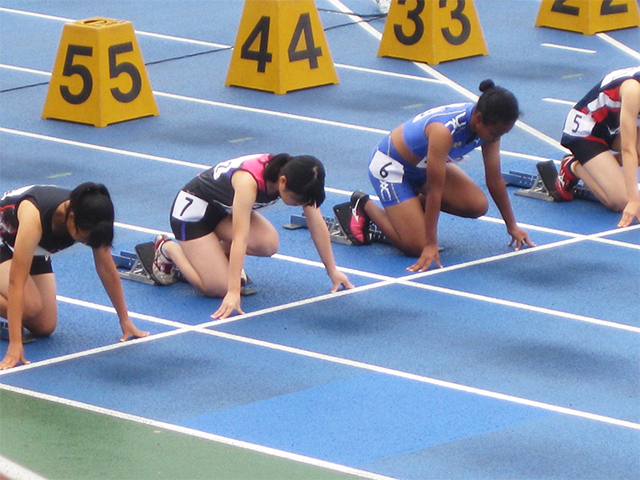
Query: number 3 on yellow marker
column 99, row 76
column 432, row 31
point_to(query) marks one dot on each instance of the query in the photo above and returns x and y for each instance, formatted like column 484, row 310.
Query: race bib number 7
column 188, row 208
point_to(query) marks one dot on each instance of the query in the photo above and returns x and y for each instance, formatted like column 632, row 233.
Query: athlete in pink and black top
column 603, row 133
column 215, row 223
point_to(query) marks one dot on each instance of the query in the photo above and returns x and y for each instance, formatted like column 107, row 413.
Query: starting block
column 542, row 186
column 138, row 267
column 27, row 337
column 335, row 231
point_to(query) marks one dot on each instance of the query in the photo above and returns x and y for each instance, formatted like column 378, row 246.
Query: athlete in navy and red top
column 215, row 222
column 602, row 131
column 596, row 117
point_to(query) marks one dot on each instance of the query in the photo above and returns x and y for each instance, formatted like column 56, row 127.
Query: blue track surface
column 502, row 365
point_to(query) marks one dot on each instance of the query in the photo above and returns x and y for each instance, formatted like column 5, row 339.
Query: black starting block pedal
column 335, row 231
column 543, row 185
column 138, row 265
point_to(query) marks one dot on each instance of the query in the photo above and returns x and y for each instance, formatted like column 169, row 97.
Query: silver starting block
column 133, row 267
column 542, row 186
column 335, row 231
column 137, row 267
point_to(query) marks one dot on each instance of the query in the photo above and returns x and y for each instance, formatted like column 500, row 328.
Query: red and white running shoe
column 566, row 180
column 163, row 268
column 353, row 220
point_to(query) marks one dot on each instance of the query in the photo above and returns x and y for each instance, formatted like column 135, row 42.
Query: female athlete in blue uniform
column 35, row 222
column 606, row 120
column 414, row 173
column 215, row 223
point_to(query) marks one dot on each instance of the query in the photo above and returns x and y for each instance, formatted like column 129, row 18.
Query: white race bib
column 386, row 169
column 188, row 208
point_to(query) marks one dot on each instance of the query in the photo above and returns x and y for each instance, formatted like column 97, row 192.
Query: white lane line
column 341, row 361
column 524, row 306
column 138, row 32
column 428, row 380
column 10, row 470
column 194, row 433
column 405, row 280
column 273, row 113
column 565, row 47
column 557, row 100
column 102, row 148
column 620, row 46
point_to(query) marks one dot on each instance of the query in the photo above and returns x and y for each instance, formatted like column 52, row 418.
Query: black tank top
column 46, row 198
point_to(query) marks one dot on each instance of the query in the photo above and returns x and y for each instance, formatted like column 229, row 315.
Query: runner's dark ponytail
column 305, row 176
column 497, row 104
column 93, row 212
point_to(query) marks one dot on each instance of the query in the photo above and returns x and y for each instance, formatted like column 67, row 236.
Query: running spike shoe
column 566, row 180
column 163, row 268
column 353, row 220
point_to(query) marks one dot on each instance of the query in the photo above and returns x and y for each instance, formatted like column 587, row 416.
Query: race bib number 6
column 386, row 169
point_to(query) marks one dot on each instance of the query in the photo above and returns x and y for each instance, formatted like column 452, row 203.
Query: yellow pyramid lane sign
column 588, row 16
column 432, row 31
column 280, row 47
column 99, row 76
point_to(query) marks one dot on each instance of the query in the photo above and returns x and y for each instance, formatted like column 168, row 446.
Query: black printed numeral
column 71, row 68
column 310, row 53
column 418, row 29
column 457, row 14
column 418, row 25
column 261, row 54
column 606, row 8
column 115, row 70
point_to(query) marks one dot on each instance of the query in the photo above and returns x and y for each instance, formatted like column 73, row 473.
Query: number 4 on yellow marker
column 280, row 47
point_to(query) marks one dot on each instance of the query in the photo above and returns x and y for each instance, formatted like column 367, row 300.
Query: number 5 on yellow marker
column 99, row 76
